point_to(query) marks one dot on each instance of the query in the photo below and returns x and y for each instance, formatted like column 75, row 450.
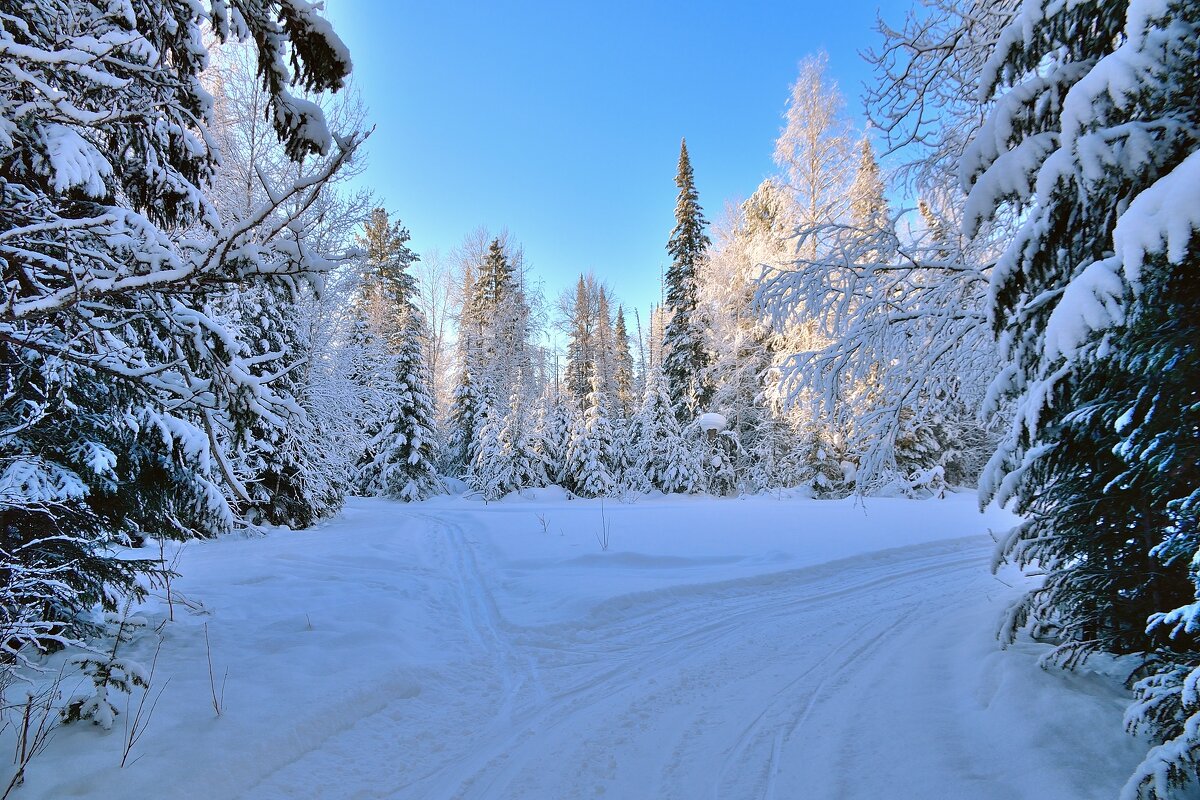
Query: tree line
column 203, row 328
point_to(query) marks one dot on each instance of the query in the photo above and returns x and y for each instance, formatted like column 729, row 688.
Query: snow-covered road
column 526, row 663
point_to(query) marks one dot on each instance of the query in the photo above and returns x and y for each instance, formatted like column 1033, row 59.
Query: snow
column 763, row 646
column 712, row 422
column 1161, row 218
column 1091, row 302
column 74, row 162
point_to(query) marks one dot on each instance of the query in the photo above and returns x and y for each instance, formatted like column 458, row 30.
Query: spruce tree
column 1094, row 299
column 624, row 389
column 387, row 285
column 400, row 458
column 512, row 457
column 117, row 372
column 868, row 207
column 685, row 359
column 275, row 458
column 467, row 397
column 591, row 457
column 554, row 427
column 580, row 345
column 665, row 459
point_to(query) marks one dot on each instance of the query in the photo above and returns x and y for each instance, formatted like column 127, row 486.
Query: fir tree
column 685, row 359
column 624, row 389
column 116, row 370
column 665, row 460
column 387, row 283
column 467, row 397
column 591, row 457
column 580, row 346
column 1093, row 300
column 276, row 459
column 868, row 207
column 400, row 459
column 512, row 457
column 554, row 429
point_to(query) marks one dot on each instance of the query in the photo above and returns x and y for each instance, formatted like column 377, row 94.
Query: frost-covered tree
column 467, row 398
column 499, row 365
column 274, row 452
column 744, row 344
column 295, row 464
column 895, row 353
column 665, row 459
column 401, row 456
column 579, row 342
column 1092, row 144
column 624, row 386
column 814, row 150
column 605, row 356
column 554, row 426
column 513, row 456
column 592, row 458
column 400, row 460
column 685, row 358
column 116, row 369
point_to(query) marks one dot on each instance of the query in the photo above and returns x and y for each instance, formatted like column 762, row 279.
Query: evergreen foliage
column 1093, row 138
column 554, row 430
column 624, row 390
column 401, row 456
column 275, row 459
column 665, row 459
column 117, row 373
column 592, row 457
column 686, row 359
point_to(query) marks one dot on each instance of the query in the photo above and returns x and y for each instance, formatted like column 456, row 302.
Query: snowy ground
column 749, row 648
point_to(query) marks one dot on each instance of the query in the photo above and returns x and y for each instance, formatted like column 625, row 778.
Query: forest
column 210, row 330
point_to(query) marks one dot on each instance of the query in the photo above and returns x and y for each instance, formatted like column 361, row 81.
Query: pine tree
column 685, row 359
column 1093, row 299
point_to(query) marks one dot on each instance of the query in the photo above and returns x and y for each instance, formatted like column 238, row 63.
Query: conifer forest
column 892, row 489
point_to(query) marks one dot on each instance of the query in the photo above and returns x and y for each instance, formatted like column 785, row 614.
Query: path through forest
column 456, row 650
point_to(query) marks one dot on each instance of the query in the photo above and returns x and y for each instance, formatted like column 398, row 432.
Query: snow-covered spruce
column 1092, row 129
column 116, row 370
column 685, row 357
column 665, row 459
column 400, row 460
column 592, row 460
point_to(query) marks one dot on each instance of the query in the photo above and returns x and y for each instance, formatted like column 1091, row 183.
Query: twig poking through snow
column 136, row 724
column 218, row 700
column 604, row 534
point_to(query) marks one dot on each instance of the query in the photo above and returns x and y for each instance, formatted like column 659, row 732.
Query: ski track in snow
column 705, row 691
column 684, row 669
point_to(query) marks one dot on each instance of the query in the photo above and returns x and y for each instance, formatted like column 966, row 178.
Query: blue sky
column 561, row 121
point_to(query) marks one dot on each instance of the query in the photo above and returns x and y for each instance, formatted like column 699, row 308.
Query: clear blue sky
column 561, row 121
